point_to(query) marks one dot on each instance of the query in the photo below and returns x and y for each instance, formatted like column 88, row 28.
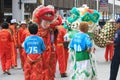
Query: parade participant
column 44, row 16
column 109, row 47
column 5, row 48
column 81, row 45
column 34, row 47
column 115, row 61
column 13, row 28
column 61, row 53
column 53, row 38
column 21, row 32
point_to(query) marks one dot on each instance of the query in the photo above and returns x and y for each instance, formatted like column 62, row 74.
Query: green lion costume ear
column 75, row 14
column 86, row 17
column 94, row 17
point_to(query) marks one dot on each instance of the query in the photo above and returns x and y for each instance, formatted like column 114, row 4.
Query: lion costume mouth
column 44, row 13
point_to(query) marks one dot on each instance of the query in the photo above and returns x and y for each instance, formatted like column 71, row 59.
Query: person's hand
column 110, row 42
column 94, row 49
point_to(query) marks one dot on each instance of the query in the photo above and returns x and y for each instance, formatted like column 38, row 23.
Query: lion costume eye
column 48, row 15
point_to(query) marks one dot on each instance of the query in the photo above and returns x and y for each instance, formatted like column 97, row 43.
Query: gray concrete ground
column 103, row 69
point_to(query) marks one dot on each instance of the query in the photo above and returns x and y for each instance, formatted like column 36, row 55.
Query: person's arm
column 89, row 44
column 71, row 45
column 117, row 39
column 24, row 44
column 43, row 47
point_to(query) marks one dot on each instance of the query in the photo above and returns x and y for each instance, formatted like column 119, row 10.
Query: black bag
column 66, row 44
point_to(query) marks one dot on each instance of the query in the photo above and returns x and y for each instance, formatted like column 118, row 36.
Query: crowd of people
column 38, row 60
column 15, row 40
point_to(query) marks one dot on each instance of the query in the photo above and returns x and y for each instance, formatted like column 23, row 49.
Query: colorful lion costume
column 72, row 25
column 47, row 18
column 100, row 38
column 78, row 15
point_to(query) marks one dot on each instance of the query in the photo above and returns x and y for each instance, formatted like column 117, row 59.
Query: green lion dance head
column 78, row 15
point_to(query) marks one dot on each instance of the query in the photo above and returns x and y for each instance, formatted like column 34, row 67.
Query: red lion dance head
column 46, row 16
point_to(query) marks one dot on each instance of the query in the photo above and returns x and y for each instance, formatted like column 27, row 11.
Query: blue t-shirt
column 34, row 44
column 80, row 42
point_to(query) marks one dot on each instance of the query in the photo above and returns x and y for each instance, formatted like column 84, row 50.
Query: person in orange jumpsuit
column 61, row 52
column 34, row 47
column 109, row 50
column 13, row 28
column 5, row 48
column 25, row 34
column 21, row 37
column 53, row 38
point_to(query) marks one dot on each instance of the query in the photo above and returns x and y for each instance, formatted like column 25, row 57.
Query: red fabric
column 33, row 69
column 62, row 54
column 14, row 45
column 109, row 51
column 22, row 34
column 14, row 33
column 40, row 13
column 47, row 63
column 61, row 34
column 62, row 58
column 53, row 61
column 5, row 49
column 13, row 54
column 6, row 60
column 23, row 57
column 57, row 22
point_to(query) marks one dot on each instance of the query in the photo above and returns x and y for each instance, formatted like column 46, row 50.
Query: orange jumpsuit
column 33, row 67
column 23, row 54
column 5, row 49
column 21, row 37
column 45, row 34
column 62, row 53
column 14, row 45
column 53, row 38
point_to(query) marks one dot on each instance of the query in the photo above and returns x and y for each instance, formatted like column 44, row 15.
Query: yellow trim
column 59, row 44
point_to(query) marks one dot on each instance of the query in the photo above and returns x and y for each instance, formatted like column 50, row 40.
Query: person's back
column 80, row 48
column 5, row 39
column 34, row 47
column 80, row 41
column 5, row 48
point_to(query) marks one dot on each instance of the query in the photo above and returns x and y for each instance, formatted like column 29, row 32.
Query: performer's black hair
column 5, row 25
column 33, row 28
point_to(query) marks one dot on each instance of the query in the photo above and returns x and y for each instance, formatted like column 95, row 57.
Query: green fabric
column 82, row 56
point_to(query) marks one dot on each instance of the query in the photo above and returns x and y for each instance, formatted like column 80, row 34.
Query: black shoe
column 4, row 72
column 63, row 75
column 7, row 72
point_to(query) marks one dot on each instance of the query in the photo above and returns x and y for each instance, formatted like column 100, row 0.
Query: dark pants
column 115, row 65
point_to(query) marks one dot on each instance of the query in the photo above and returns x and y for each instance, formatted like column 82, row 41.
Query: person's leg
column 14, row 55
column 111, row 51
column 3, row 61
column 27, row 70
column 66, row 57
column 8, row 62
column 106, row 52
column 53, row 62
column 114, row 69
column 36, row 70
column 61, row 60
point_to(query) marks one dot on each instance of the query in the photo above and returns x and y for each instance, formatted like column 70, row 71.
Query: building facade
column 15, row 8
